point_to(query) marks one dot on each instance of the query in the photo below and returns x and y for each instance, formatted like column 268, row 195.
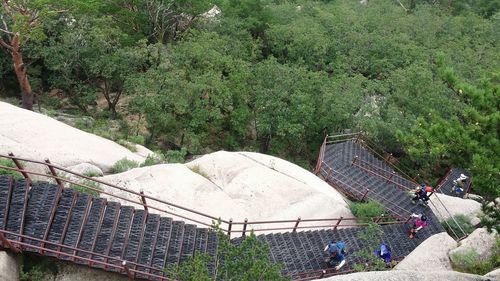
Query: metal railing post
column 54, row 173
column 364, row 195
column 19, row 166
column 323, row 272
column 337, row 224
column 244, row 227
column 143, row 200
column 6, row 242
column 230, row 225
column 130, row 274
column 354, row 160
column 390, row 178
column 296, row 224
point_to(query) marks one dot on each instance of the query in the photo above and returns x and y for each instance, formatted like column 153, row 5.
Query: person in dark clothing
column 421, row 194
column 336, row 254
column 384, row 252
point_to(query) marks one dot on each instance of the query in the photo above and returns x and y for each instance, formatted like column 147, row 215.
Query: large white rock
column 456, row 206
column 493, row 275
column 9, row 266
column 236, row 185
column 432, row 254
column 410, row 275
column 480, row 241
column 86, row 169
column 33, row 135
column 72, row 272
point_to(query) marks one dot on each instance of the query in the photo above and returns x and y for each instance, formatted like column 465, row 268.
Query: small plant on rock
column 463, row 223
column 123, row 165
column 367, row 210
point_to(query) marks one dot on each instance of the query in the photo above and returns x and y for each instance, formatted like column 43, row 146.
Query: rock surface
column 456, row 206
column 9, row 266
column 72, row 272
column 494, row 275
column 33, row 135
column 479, row 241
column 259, row 187
column 409, row 275
column 86, row 169
column 432, row 254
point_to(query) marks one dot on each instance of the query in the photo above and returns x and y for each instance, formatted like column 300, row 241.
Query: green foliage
column 370, row 238
column 463, row 222
column 91, row 174
column 470, row 262
column 153, row 159
column 367, row 210
column 176, row 156
column 9, row 163
column 123, row 165
column 195, row 268
column 130, row 146
column 87, row 187
column 35, row 268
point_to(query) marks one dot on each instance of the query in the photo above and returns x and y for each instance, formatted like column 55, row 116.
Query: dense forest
column 420, row 77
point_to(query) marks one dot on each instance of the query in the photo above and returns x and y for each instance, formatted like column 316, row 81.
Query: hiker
column 421, row 193
column 421, row 221
column 384, row 252
column 336, row 254
column 459, row 184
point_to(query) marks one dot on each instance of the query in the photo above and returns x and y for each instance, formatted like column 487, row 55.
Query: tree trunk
column 21, row 73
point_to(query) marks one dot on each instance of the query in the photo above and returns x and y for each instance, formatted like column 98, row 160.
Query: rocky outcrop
column 479, row 241
column 432, row 254
column 72, row 272
column 493, row 275
column 456, row 206
column 9, row 266
column 235, row 185
column 86, row 169
column 36, row 136
column 410, row 275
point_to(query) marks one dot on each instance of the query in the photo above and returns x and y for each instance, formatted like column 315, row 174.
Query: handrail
column 330, row 170
column 400, row 186
column 76, row 251
column 228, row 229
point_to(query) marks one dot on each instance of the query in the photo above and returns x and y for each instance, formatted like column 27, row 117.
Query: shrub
column 123, row 165
column 136, row 139
column 91, row 174
column 247, row 262
column 370, row 237
column 463, row 222
column 153, row 159
column 176, row 156
column 36, row 268
column 366, row 210
column 9, row 163
column 87, row 190
column 469, row 262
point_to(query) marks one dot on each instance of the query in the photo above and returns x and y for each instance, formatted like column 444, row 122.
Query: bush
column 370, row 237
column 367, row 210
column 452, row 227
column 9, row 163
column 130, row 146
column 123, row 165
column 247, row 262
column 36, row 268
column 176, row 156
column 153, row 159
column 469, row 262
column 87, row 190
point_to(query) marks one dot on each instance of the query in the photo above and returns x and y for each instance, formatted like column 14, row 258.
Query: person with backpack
column 459, row 184
column 421, row 222
column 421, row 193
column 384, row 252
column 336, row 254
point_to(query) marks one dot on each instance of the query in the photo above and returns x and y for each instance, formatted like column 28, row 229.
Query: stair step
column 91, row 227
column 17, row 205
column 212, row 250
column 79, row 213
column 63, row 213
column 175, row 244
column 136, row 235
column 200, row 243
column 6, row 184
column 107, row 230
column 148, row 243
column 188, row 242
column 160, row 250
column 121, row 234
